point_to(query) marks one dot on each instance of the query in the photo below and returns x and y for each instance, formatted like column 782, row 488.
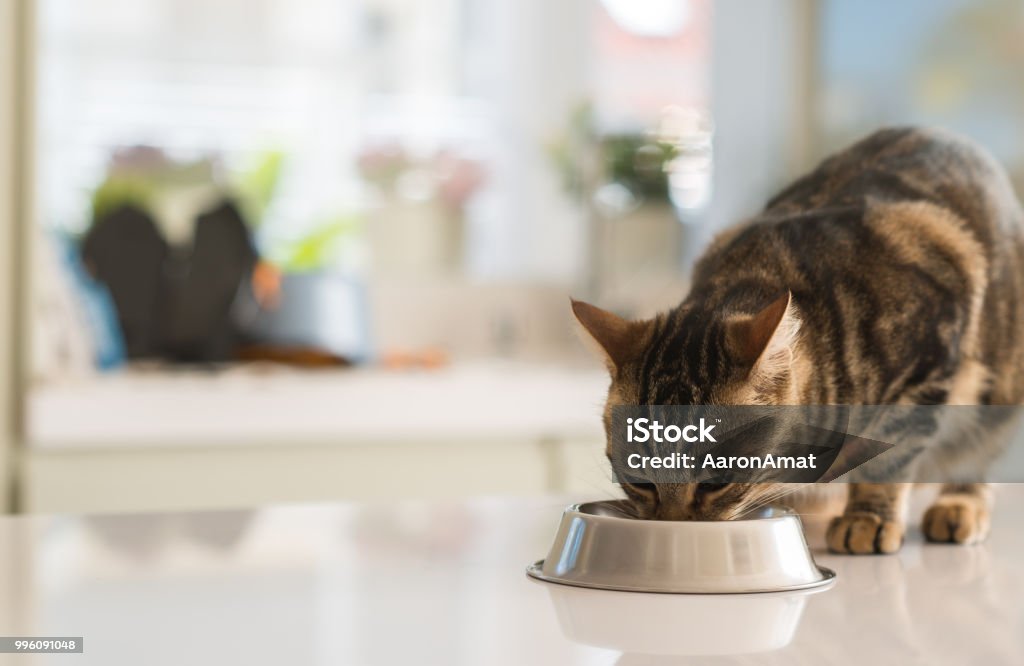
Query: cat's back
column 895, row 250
column 898, row 196
column 910, row 164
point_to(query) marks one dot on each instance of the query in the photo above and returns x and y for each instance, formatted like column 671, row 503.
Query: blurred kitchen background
column 265, row 251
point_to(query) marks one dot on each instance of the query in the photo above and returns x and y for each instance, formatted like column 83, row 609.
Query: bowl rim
column 778, row 513
column 536, row 572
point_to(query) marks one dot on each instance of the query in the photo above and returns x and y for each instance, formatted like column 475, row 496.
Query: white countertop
column 443, row 583
column 261, row 404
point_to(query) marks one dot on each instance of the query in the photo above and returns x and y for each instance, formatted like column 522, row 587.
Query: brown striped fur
column 891, row 274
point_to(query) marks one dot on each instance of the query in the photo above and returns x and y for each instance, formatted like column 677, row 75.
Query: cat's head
column 698, row 354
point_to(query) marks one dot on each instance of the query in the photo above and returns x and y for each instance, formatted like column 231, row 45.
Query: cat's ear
column 765, row 340
column 618, row 340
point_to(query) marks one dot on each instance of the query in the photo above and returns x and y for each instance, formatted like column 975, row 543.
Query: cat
column 892, row 274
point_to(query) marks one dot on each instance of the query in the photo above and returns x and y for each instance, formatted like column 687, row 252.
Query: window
column 343, row 119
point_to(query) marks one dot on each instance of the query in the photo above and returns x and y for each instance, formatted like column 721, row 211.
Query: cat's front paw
column 957, row 518
column 863, row 533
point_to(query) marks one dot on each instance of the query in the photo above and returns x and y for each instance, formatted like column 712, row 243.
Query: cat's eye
column 710, row 487
column 646, row 491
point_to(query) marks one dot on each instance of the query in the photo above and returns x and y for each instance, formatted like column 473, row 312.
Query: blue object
column 97, row 307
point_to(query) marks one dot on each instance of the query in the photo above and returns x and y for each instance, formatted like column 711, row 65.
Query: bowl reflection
column 679, row 625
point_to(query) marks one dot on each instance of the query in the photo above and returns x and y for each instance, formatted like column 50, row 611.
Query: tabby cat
column 892, row 274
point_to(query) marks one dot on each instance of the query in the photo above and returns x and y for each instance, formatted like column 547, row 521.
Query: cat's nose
column 674, row 511
column 675, row 503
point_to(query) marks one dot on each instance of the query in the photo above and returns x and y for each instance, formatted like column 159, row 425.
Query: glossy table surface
column 430, row 583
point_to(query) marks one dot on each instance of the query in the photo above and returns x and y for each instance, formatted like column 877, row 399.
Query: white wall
column 762, row 70
column 538, row 77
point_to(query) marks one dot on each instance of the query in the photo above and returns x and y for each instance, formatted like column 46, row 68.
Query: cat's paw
column 957, row 518
column 863, row 533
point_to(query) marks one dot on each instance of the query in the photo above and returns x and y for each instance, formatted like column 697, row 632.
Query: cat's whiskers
column 756, row 501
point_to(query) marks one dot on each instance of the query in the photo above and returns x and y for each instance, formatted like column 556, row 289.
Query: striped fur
column 891, row 274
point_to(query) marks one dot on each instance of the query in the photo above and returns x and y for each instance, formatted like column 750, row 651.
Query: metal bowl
column 598, row 545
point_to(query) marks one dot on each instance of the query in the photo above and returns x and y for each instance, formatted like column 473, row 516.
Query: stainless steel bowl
column 598, row 545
